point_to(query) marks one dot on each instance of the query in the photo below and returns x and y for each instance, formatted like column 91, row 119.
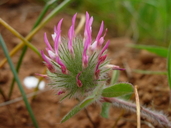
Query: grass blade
column 39, row 19
column 161, row 51
column 150, row 72
column 2, row 43
column 13, row 80
column 34, row 31
column 169, row 66
column 42, row 14
column 25, row 41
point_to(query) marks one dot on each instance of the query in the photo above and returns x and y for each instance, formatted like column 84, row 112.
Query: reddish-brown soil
column 153, row 89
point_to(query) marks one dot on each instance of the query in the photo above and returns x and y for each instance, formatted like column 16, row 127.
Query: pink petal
column 47, row 62
column 104, row 48
column 57, row 42
column 100, row 61
column 73, row 23
column 63, row 67
column 54, row 36
column 79, row 83
column 47, row 42
column 45, row 58
column 90, row 21
column 87, row 18
column 85, row 61
column 101, row 40
column 57, row 30
column 97, row 74
column 60, row 92
column 74, row 19
column 86, row 25
column 94, row 45
column 85, row 56
column 102, row 58
column 70, row 35
column 59, row 25
column 114, row 67
column 100, row 31
column 42, row 75
column 51, row 54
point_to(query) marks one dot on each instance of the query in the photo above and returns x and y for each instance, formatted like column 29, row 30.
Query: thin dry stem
column 20, row 98
column 20, row 45
column 81, row 23
column 137, row 107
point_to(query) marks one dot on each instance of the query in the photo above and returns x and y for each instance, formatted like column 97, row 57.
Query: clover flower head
column 77, row 65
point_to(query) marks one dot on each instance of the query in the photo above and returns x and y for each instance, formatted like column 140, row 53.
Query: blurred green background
column 145, row 21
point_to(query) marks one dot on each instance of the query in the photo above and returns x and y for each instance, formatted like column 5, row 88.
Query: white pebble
column 31, row 82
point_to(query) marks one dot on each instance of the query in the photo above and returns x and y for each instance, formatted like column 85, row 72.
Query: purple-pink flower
column 77, row 65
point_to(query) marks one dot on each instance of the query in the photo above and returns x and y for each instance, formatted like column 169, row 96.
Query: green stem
column 17, row 69
column 150, row 72
column 2, row 43
column 42, row 14
column 54, row 12
column 47, row 19
column 45, row 9
column 169, row 65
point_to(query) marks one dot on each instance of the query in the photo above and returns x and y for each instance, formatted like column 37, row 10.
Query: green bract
column 68, row 81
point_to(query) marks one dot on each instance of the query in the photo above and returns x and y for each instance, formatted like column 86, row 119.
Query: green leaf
column 105, row 110
column 161, row 51
column 125, row 97
column 169, row 66
column 118, row 89
column 87, row 101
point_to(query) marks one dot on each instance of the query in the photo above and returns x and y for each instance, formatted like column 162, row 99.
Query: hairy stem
column 156, row 117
